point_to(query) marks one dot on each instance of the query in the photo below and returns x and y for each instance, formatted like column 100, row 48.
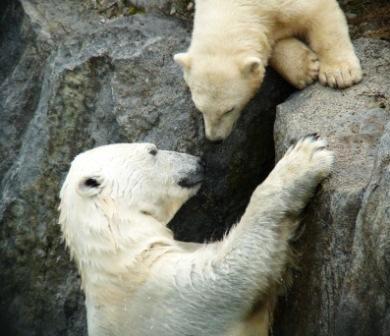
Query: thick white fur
column 139, row 281
column 233, row 41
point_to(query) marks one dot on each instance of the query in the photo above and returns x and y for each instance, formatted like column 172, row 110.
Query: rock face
column 74, row 76
column 368, row 18
column 70, row 80
column 183, row 9
column 342, row 287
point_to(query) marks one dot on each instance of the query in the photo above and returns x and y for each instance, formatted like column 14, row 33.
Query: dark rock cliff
column 77, row 74
column 342, row 286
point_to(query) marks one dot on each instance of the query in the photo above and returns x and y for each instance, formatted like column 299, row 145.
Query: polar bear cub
column 234, row 40
column 115, row 204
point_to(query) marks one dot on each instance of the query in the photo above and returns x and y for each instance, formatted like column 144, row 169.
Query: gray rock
column 183, row 9
column 368, row 18
column 70, row 81
column 367, row 284
column 179, row 8
column 342, row 286
column 71, row 78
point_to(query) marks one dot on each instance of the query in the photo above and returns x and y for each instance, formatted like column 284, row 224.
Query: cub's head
column 115, row 183
column 221, row 88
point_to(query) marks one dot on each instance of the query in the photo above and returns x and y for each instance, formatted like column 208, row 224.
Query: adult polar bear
column 139, row 281
column 233, row 41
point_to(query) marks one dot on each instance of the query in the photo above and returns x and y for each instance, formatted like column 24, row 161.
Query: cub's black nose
column 216, row 141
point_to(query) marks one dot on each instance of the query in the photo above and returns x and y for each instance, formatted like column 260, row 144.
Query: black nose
column 202, row 163
column 216, row 141
column 194, row 177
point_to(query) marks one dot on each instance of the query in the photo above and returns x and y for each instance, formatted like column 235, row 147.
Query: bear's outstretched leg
column 328, row 36
column 253, row 257
column 224, row 279
column 295, row 62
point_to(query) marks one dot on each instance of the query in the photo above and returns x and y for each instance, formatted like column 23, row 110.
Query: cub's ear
column 252, row 66
column 184, row 60
column 90, row 186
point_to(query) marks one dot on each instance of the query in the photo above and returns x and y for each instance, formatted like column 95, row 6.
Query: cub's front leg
column 327, row 34
column 295, row 62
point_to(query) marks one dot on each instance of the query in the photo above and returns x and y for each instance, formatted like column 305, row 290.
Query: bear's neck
column 227, row 28
column 110, row 253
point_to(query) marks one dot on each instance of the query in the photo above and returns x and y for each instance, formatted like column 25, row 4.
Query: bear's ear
column 183, row 59
column 90, row 186
column 251, row 66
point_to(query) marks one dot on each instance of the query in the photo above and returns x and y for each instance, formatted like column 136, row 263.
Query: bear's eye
column 228, row 111
column 153, row 151
column 91, row 183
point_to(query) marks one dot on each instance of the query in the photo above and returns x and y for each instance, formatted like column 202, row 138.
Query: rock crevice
column 71, row 79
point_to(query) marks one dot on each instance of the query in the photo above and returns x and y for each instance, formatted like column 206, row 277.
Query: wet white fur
column 139, row 281
column 234, row 40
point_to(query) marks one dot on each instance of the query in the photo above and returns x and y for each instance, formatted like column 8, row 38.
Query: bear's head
column 124, row 189
column 220, row 88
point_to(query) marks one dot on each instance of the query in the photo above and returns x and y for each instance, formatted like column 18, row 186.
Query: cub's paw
column 309, row 156
column 307, row 71
column 340, row 74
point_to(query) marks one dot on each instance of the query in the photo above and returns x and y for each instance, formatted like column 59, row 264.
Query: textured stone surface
column 368, row 281
column 71, row 78
column 70, row 81
column 342, row 287
column 368, row 18
column 183, row 9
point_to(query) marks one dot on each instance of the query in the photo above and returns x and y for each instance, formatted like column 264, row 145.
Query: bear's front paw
column 340, row 74
column 296, row 62
column 308, row 72
column 309, row 156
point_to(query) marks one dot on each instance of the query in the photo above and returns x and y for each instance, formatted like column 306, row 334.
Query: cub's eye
column 91, row 183
column 229, row 111
column 153, row 151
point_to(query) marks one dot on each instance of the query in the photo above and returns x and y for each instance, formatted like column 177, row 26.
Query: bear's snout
column 194, row 177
